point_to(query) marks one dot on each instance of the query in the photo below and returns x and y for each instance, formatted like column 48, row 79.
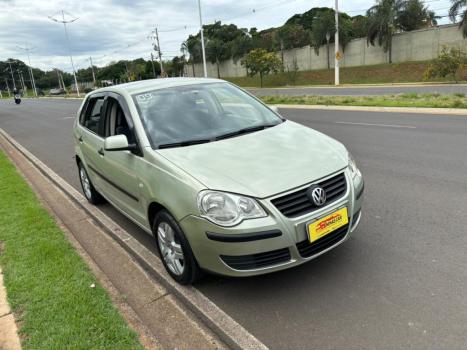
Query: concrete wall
column 419, row 45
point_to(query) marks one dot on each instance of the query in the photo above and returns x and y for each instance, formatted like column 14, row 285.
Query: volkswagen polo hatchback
column 223, row 182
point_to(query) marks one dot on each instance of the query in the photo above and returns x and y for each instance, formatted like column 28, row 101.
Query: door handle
column 101, row 151
column 80, row 139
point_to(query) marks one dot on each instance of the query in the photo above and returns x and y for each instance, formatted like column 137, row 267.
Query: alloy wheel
column 170, row 248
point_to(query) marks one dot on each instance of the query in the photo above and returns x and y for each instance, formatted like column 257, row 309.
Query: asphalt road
column 399, row 283
column 363, row 90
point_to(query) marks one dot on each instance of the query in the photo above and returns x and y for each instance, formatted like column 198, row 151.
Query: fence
column 418, row 45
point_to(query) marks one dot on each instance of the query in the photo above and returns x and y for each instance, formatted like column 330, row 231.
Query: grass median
column 399, row 100
column 55, row 298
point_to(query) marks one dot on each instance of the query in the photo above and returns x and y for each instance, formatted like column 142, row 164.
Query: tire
column 182, row 268
column 89, row 191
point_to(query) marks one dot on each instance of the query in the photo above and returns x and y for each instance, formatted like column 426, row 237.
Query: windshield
column 191, row 114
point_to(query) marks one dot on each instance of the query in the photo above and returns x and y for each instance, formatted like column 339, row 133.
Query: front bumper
column 268, row 244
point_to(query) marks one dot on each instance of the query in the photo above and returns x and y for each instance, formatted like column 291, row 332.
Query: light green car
column 222, row 181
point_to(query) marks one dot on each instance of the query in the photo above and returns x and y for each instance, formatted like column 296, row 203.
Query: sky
column 110, row 30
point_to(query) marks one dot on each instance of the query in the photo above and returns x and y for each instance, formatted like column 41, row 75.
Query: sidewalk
column 9, row 339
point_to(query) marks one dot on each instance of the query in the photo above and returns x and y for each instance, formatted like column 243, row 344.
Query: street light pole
column 92, row 70
column 202, row 40
column 12, row 76
column 336, row 46
column 31, row 74
column 68, row 43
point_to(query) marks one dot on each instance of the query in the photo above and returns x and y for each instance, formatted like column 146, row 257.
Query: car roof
column 155, row 84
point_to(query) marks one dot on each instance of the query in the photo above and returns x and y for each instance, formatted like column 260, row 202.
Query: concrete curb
column 225, row 327
column 357, row 86
column 416, row 110
column 9, row 339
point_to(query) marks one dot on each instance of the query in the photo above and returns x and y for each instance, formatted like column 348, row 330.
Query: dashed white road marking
column 382, row 125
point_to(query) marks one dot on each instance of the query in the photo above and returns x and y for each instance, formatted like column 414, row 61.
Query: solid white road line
column 382, row 125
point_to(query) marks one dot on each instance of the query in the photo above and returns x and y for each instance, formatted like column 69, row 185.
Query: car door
column 91, row 138
column 120, row 168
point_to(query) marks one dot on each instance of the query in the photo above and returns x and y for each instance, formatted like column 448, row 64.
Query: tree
column 383, row 23
column 449, row 63
column 217, row 51
column 193, row 46
column 292, row 35
column 360, row 26
column 324, row 27
column 459, row 7
column 414, row 15
column 259, row 61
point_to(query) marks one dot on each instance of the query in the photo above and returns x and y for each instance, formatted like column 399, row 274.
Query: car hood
column 263, row 163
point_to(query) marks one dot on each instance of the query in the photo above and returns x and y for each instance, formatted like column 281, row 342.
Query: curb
column 9, row 339
column 415, row 110
column 357, row 86
column 225, row 327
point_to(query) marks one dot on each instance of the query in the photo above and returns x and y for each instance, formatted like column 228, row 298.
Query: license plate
column 327, row 224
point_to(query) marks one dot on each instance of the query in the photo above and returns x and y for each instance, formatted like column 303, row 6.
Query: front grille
column 255, row 261
column 297, row 203
column 307, row 249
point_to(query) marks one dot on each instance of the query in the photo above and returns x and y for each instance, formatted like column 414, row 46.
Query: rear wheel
column 174, row 249
column 89, row 191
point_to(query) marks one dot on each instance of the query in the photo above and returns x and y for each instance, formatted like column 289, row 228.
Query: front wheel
column 89, row 191
column 174, row 249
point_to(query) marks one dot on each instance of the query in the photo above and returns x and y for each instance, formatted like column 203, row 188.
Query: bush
column 451, row 62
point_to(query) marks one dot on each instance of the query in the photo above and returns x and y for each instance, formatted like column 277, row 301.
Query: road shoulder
column 147, row 306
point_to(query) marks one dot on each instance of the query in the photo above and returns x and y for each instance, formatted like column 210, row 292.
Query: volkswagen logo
column 317, row 195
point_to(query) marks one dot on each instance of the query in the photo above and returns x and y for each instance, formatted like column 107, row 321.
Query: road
column 362, row 90
column 399, row 283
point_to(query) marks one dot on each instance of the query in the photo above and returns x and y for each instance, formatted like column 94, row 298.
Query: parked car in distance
column 222, row 181
column 59, row 91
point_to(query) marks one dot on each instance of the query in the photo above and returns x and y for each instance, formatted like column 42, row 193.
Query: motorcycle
column 17, row 99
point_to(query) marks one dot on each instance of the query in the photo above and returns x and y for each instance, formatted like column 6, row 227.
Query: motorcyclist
column 17, row 96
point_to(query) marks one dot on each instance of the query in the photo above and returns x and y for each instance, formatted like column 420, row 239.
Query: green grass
column 48, row 284
column 407, row 72
column 400, row 100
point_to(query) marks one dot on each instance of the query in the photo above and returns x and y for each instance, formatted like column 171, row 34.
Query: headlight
column 227, row 209
column 353, row 168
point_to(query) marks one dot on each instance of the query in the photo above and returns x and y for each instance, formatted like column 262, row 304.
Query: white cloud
column 114, row 29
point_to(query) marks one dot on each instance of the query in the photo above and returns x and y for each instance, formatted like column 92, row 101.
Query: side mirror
column 274, row 109
column 118, row 143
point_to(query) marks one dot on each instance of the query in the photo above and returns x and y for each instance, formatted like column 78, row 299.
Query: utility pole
column 202, row 39
column 31, row 74
column 92, row 70
column 12, row 76
column 68, row 42
column 153, row 67
column 21, row 79
column 336, row 46
column 154, row 36
column 59, row 81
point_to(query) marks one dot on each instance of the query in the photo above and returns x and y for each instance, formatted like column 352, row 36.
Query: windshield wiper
column 245, row 131
column 184, row 143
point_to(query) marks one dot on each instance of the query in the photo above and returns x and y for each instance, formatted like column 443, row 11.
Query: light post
column 31, row 74
column 336, row 47
column 202, row 39
column 68, row 43
column 12, row 76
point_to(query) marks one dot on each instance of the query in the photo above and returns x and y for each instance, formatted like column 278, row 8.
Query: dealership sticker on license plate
column 327, row 224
